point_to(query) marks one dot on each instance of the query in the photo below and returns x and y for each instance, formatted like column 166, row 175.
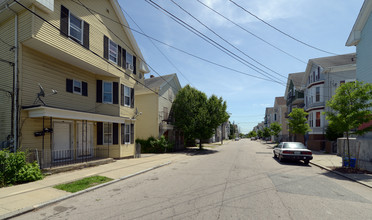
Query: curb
column 41, row 205
column 340, row 174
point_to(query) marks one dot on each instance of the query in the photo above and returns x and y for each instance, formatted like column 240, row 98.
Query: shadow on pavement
column 195, row 152
column 291, row 163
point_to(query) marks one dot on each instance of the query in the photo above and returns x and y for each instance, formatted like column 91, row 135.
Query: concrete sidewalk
column 331, row 161
column 22, row 198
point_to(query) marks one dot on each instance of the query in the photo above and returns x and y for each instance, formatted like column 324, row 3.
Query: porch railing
column 53, row 158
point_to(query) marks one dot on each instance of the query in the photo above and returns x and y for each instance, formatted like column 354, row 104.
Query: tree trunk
column 348, row 148
column 200, row 144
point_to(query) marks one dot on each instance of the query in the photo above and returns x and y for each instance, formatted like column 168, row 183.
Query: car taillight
column 288, row 152
column 306, row 152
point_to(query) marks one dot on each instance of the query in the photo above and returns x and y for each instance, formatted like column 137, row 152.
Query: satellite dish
column 41, row 93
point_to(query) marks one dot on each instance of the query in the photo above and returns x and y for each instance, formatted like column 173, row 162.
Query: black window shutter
column 105, row 47
column 86, row 35
column 119, row 55
column 99, row 133
column 69, row 83
column 115, row 91
column 132, row 97
column 132, row 133
column 84, row 88
column 122, row 94
column 64, row 21
column 124, row 54
column 115, row 133
column 134, row 65
column 99, row 91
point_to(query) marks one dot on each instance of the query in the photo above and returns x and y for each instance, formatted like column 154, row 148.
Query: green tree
column 196, row 115
column 266, row 133
column 275, row 128
column 297, row 122
column 350, row 108
column 260, row 134
column 217, row 112
column 252, row 134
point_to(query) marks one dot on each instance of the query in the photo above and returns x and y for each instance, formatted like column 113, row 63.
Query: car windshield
column 294, row 146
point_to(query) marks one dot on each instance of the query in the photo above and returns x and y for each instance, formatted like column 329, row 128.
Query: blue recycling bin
column 349, row 163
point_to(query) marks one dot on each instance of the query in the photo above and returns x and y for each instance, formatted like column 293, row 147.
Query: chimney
column 151, row 76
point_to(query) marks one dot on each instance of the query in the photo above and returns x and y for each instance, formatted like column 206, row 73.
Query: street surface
column 239, row 180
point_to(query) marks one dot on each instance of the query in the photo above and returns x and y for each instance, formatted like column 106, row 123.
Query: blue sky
column 323, row 24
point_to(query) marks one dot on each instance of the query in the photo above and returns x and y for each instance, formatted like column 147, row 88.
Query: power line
column 212, row 42
column 126, row 45
column 277, row 29
column 55, row 27
column 156, row 46
column 251, row 33
column 180, row 50
column 219, row 36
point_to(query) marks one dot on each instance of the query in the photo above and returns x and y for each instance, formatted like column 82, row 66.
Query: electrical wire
column 277, row 29
column 212, row 42
column 251, row 33
column 165, row 56
column 55, row 27
column 125, row 45
column 226, row 41
column 180, row 50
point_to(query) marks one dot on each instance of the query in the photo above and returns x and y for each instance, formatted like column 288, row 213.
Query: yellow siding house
column 154, row 120
column 68, row 72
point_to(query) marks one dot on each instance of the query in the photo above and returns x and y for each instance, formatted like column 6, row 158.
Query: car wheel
column 306, row 162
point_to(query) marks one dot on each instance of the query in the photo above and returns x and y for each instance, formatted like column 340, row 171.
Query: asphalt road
column 239, row 180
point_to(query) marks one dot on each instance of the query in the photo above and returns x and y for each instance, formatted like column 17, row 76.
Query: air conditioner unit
column 130, row 66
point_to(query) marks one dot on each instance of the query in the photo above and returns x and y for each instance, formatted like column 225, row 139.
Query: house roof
column 296, row 78
column 328, row 62
column 359, row 24
column 158, row 82
column 338, row 60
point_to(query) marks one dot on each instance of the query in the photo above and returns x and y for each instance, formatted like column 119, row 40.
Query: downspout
column 15, row 78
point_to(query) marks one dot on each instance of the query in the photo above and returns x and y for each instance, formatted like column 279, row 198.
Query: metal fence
column 53, row 158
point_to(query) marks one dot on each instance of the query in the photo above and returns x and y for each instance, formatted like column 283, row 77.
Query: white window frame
column 81, row 86
column 110, row 126
column 103, row 92
column 129, row 65
column 113, row 52
column 127, row 133
column 70, row 25
column 127, row 94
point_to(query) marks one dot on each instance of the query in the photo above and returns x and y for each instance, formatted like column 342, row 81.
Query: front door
column 62, row 141
column 84, row 139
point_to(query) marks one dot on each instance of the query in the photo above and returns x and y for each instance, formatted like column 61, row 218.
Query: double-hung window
column 77, row 87
column 127, row 133
column 126, row 96
column 107, row 133
column 317, row 114
column 311, row 119
column 76, row 28
column 113, row 51
column 129, row 60
column 317, row 94
column 107, row 92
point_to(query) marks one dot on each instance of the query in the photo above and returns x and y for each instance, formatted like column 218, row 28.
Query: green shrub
column 153, row 145
column 14, row 169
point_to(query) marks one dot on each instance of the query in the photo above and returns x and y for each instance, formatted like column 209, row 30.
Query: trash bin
column 348, row 163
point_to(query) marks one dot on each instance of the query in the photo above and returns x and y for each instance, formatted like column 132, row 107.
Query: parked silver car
column 292, row 151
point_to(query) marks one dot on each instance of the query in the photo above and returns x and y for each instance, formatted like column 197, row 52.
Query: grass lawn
column 83, row 184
